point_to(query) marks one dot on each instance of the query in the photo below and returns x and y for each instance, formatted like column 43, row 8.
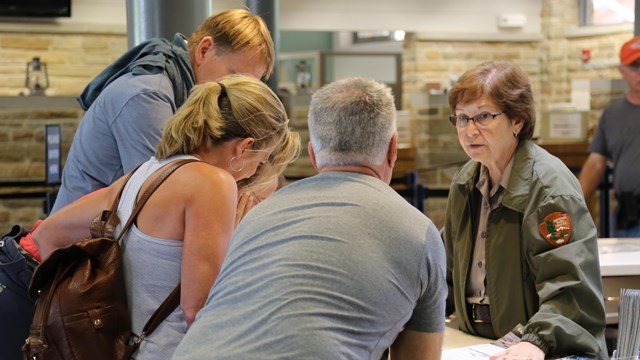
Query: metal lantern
column 37, row 80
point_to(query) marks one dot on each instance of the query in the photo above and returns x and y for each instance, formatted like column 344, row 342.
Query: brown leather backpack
column 81, row 309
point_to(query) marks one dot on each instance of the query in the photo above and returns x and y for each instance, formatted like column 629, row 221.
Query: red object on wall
column 585, row 56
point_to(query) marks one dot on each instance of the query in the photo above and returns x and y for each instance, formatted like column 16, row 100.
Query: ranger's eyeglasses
column 481, row 120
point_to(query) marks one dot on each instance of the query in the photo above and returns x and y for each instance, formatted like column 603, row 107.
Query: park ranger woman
column 521, row 245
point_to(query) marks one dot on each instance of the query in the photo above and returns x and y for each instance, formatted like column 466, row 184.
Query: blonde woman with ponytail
column 233, row 127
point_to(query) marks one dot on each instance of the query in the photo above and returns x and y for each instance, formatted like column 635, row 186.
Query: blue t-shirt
column 329, row 267
column 120, row 131
column 127, row 104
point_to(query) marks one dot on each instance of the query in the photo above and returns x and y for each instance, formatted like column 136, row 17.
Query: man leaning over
column 130, row 101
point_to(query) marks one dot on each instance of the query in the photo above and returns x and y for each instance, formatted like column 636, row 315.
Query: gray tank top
column 152, row 270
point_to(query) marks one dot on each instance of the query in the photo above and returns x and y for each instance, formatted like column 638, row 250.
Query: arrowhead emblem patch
column 556, row 228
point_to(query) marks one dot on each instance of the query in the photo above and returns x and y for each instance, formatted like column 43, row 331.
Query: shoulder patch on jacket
column 556, row 228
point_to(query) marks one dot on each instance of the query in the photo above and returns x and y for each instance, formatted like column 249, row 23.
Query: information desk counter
column 455, row 339
column 620, row 268
column 461, row 346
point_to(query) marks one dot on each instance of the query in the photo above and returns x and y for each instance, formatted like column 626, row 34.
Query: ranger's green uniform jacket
column 555, row 291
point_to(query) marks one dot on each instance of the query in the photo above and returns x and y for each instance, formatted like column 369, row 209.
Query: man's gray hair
column 351, row 122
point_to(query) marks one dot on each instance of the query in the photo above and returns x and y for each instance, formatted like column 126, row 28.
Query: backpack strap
column 167, row 307
column 147, row 193
column 106, row 222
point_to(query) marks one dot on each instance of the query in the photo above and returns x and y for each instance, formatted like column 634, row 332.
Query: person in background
column 129, row 103
column 521, row 245
column 16, row 306
column 335, row 266
column 233, row 127
column 617, row 138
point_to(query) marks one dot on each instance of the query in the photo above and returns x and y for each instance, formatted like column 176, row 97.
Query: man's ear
column 312, row 155
column 206, row 44
column 392, row 152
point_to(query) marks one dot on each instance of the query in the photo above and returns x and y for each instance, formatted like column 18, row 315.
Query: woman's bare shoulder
column 199, row 176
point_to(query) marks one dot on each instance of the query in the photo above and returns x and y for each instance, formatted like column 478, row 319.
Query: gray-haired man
column 335, row 266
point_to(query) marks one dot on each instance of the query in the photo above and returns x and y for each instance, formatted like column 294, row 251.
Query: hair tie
column 223, row 90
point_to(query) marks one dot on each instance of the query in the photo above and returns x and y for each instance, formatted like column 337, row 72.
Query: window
column 377, row 36
column 606, row 12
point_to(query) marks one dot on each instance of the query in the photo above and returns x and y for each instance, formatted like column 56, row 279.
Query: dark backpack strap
column 167, row 307
column 35, row 342
column 106, row 222
column 147, row 193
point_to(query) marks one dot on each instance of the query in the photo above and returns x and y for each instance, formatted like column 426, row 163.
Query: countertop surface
column 619, row 256
column 454, row 339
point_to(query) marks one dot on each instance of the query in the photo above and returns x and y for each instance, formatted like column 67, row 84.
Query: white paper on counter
column 474, row 352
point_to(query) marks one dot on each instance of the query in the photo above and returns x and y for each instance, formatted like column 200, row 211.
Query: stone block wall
column 429, row 68
column 22, row 158
column 72, row 59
